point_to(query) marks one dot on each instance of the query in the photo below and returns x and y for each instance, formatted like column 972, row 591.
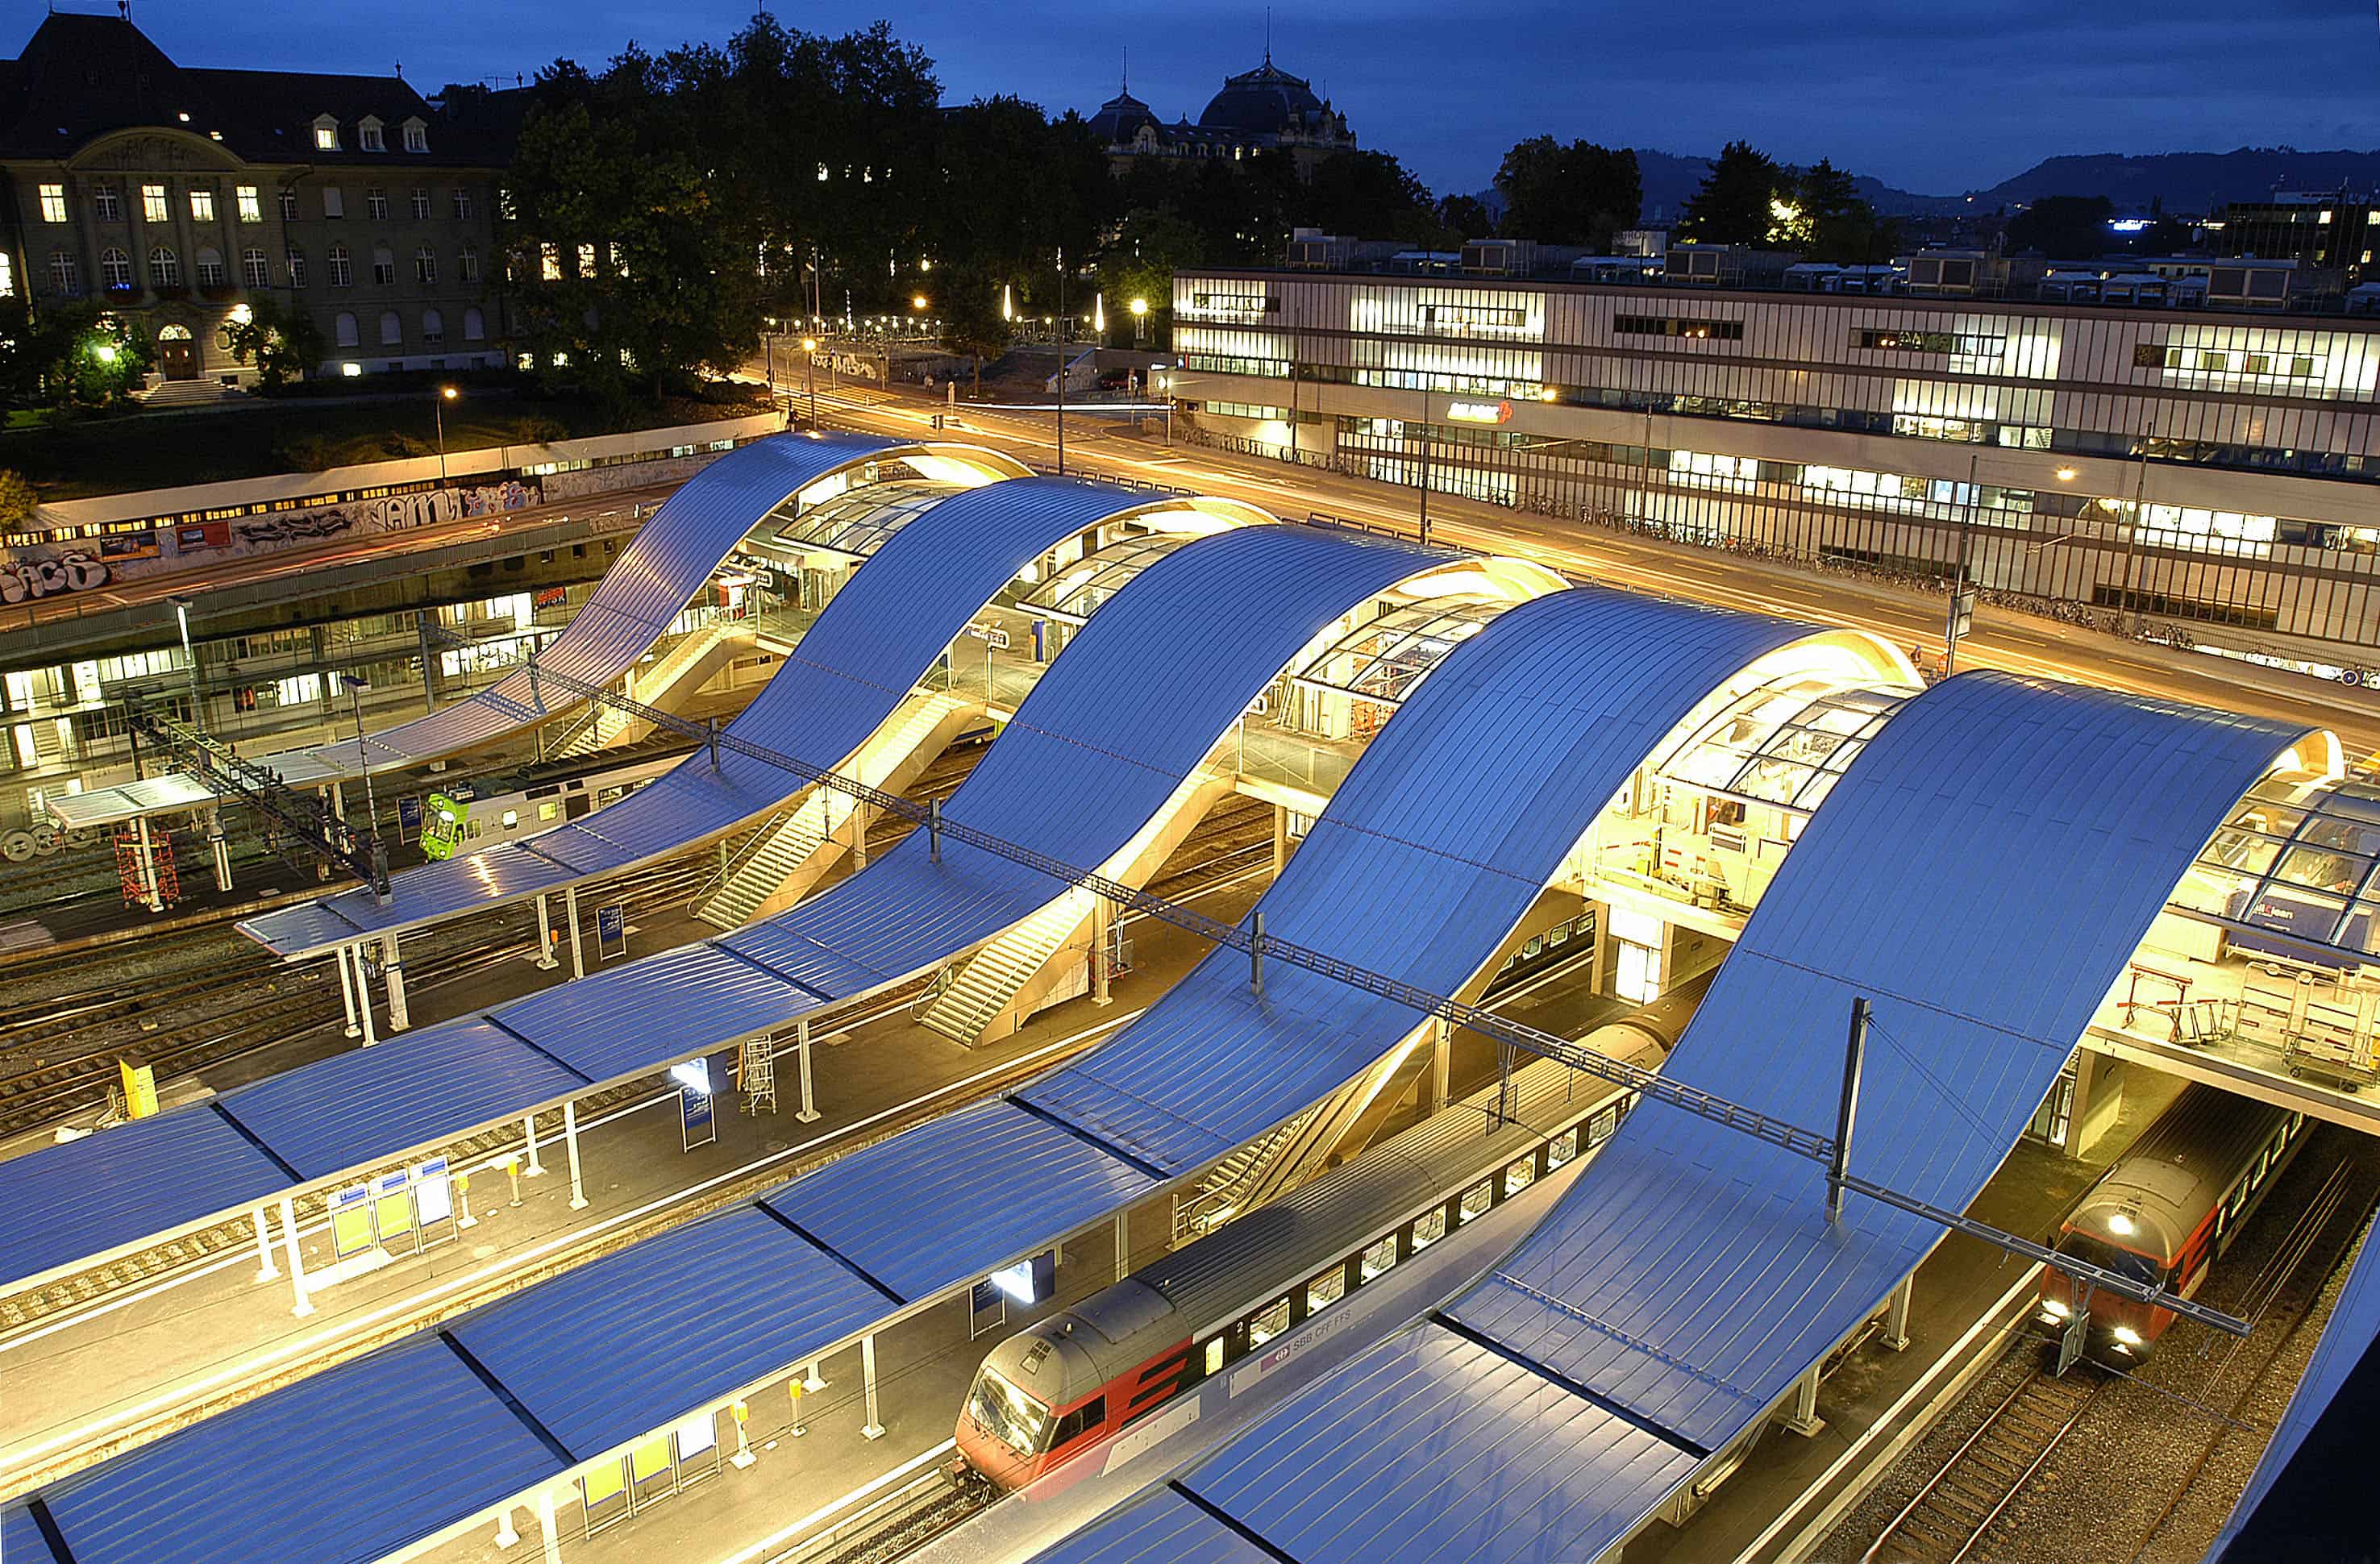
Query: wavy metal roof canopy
column 846, row 678
column 1980, row 873
column 1437, row 842
column 667, row 562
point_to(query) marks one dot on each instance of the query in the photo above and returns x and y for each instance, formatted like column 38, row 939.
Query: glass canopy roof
column 1076, row 593
column 2298, row 858
column 858, row 521
column 1785, row 743
column 1383, row 660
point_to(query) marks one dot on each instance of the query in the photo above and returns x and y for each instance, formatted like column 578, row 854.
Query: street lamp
column 1139, row 308
column 810, row 374
column 438, row 409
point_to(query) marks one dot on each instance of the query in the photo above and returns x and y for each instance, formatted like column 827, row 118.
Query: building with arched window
column 166, row 191
column 1262, row 110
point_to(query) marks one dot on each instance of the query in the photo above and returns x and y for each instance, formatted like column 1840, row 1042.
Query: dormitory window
column 467, row 264
column 164, row 268
column 289, row 206
column 391, row 329
column 326, row 135
column 210, row 268
column 344, row 328
column 253, row 270
column 65, row 275
column 475, row 327
column 462, row 205
column 153, row 204
column 375, row 202
column 53, row 203
column 342, row 273
column 251, row 204
column 115, row 270
column 416, row 138
column 383, row 265
column 7, row 275
column 106, row 203
column 202, row 206
column 295, row 258
column 434, row 329
column 369, row 134
column 421, row 205
column 425, row 264
column 335, row 202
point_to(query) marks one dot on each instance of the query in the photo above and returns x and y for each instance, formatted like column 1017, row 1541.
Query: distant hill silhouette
column 2183, row 181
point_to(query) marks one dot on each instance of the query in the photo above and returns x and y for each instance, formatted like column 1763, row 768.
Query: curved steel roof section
column 1981, row 874
column 842, row 681
column 2308, row 1496
column 1120, row 720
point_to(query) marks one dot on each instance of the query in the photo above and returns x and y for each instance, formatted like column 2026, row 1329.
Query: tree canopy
column 1736, row 204
column 1579, row 194
column 2070, row 227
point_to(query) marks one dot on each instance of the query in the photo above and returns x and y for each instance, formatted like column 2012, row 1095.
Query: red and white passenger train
column 2167, row 1209
column 1051, row 1395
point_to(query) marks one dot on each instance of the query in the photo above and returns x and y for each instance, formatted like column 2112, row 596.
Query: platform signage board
column 351, row 1221
column 611, row 930
column 697, row 1123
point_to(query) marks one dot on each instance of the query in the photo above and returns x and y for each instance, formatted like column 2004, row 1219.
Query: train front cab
column 2121, row 1331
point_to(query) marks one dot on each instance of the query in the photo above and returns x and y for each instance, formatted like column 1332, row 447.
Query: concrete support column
column 1806, row 1420
column 393, row 965
column 1896, row 1313
column 346, row 989
column 305, row 1305
column 1102, row 920
column 545, row 1527
column 219, row 849
column 544, row 937
column 809, row 1113
column 529, row 1128
column 812, row 1381
column 1280, row 838
column 578, row 952
column 505, row 1535
column 873, row 1428
column 570, row 1142
column 363, row 992
column 265, row 1269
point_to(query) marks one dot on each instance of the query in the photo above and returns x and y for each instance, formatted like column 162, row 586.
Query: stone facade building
column 180, row 195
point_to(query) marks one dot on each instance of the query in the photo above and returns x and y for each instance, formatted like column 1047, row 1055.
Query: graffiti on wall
column 388, row 513
column 75, row 571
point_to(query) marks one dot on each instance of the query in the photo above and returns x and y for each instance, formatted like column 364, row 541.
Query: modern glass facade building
column 2195, row 471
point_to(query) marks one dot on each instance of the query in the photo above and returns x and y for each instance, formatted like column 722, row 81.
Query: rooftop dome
column 1120, row 117
column 1265, row 101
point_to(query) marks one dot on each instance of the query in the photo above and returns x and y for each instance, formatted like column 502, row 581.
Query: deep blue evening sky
column 1937, row 98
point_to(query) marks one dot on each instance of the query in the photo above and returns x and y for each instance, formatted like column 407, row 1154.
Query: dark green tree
column 972, row 322
column 1370, row 194
column 1139, row 259
column 2066, row 227
column 1465, row 217
column 1831, row 221
column 1736, row 204
column 1578, row 194
column 283, row 343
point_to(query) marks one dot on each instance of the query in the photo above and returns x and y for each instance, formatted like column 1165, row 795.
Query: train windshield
column 2105, row 1255
column 1007, row 1413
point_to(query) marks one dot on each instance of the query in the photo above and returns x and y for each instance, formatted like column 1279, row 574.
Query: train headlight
column 2128, row 1335
column 2055, row 1309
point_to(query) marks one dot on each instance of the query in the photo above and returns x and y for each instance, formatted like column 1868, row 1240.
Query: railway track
column 897, row 1524
column 1958, row 1504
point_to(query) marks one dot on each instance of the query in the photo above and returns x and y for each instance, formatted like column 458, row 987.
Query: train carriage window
column 548, row 811
column 1599, row 1128
column 1325, row 1290
column 1520, row 1175
column 1214, row 1355
column 1079, row 1421
column 1428, row 1229
column 1476, row 1199
column 1562, row 1149
column 1383, row 1255
column 1270, row 1322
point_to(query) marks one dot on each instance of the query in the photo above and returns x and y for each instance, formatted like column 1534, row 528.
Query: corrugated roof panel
column 1138, row 700
column 1435, row 846
column 926, row 1209
column 617, row 1021
column 356, row 1109
column 335, row 1469
column 90, row 1195
column 1433, row 1449
column 1163, row 1528
column 1982, row 874
column 21, row 1541
column 802, row 961
column 883, row 632
column 680, row 1319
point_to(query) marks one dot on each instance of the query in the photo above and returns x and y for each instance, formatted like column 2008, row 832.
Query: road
column 2013, row 642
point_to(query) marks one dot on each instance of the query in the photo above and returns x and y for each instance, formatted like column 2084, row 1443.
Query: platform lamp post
column 438, row 411
column 810, row 374
column 189, row 660
column 372, row 804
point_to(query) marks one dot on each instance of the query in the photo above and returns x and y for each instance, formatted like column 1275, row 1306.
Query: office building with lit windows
column 181, row 196
column 2208, row 473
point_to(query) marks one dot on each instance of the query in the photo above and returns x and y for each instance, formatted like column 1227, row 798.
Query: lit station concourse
column 1618, row 1400
column 1588, row 747
column 687, row 544
column 324, row 1131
